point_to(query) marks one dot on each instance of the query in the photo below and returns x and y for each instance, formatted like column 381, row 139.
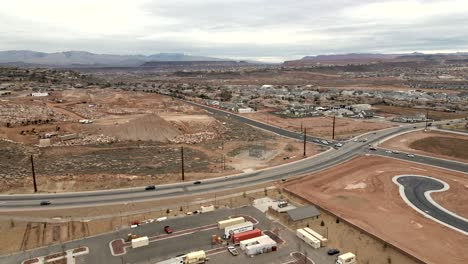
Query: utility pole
column 224, row 162
column 301, row 126
column 305, row 135
column 182, row 157
column 33, row 174
column 333, row 133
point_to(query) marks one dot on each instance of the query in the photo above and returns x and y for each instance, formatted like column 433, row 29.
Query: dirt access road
column 361, row 191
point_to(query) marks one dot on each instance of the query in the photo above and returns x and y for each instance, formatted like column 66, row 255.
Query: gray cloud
column 262, row 29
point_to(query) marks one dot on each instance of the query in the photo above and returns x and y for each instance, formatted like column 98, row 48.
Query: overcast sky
column 270, row 30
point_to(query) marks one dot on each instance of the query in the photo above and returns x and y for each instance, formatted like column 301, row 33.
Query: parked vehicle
column 197, row 182
column 45, row 203
column 233, row 251
column 324, row 142
column 347, row 258
column 372, row 148
column 150, row 187
column 389, row 151
column 410, row 156
column 333, row 251
column 338, row 145
column 168, row 230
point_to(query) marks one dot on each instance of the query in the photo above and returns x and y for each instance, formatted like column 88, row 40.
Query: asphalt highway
column 415, row 189
column 308, row 165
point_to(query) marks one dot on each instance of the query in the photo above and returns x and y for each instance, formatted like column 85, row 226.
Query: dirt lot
column 431, row 143
column 387, row 110
column 361, row 191
column 320, row 126
column 135, row 144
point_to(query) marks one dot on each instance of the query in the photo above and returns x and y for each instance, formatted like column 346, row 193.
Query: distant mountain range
column 84, row 58
column 366, row 58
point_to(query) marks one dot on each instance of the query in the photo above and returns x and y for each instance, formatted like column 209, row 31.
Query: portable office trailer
column 238, row 228
column 229, row 222
column 263, row 244
column 244, row 243
column 308, row 238
column 323, row 240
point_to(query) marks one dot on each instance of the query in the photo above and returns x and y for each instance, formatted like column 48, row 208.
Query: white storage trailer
column 308, row 238
column 229, row 222
column 238, row 228
column 323, row 240
column 140, row 242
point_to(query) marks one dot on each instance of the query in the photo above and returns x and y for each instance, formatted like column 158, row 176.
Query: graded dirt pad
column 145, row 127
column 431, row 143
column 320, row 126
column 361, row 191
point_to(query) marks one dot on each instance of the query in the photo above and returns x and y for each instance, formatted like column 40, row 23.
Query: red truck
column 237, row 238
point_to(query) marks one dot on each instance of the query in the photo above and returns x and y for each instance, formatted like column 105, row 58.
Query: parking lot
column 190, row 233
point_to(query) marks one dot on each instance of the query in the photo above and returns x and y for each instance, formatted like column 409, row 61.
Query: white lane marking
column 427, row 194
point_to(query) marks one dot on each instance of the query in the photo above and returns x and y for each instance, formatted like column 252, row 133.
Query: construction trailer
column 140, row 242
column 238, row 228
column 229, row 222
column 323, row 240
column 308, row 238
column 263, row 244
column 237, row 238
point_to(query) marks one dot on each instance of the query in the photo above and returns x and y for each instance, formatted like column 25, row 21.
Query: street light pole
column 305, row 135
column 182, row 157
column 333, row 133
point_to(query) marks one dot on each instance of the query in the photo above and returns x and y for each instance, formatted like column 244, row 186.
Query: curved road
column 416, row 190
column 118, row 196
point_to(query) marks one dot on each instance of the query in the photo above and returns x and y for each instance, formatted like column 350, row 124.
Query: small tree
column 322, row 223
column 168, row 211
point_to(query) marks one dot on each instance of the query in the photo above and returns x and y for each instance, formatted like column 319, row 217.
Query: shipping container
column 238, row 228
column 229, row 222
column 323, row 240
column 140, row 242
column 308, row 238
column 237, row 238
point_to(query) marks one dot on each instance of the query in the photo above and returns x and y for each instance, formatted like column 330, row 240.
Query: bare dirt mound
column 453, row 147
column 147, row 127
